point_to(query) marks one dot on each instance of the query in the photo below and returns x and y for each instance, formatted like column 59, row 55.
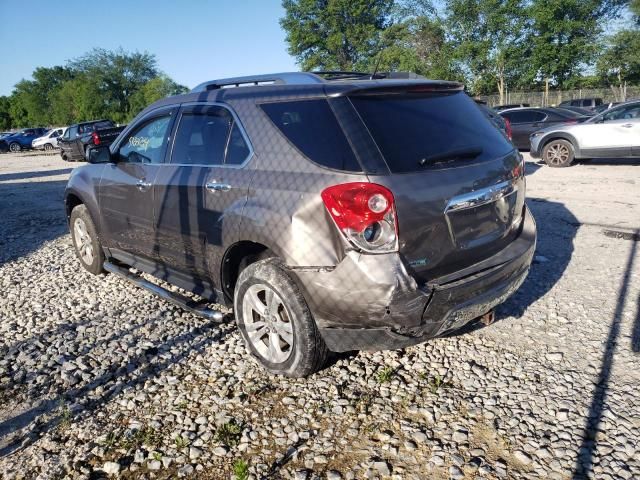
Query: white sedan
column 614, row 133
column 49, row 140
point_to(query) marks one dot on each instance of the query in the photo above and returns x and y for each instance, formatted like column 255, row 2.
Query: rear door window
column 410, row 128
column 201, row 138
column 312, row 128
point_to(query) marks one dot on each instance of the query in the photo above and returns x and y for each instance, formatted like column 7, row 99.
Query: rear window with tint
column 312, row 128
column 410, row 128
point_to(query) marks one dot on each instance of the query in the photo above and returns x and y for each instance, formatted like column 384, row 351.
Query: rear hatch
column 457, row 181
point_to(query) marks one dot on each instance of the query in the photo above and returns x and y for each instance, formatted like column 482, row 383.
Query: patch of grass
column 485, row 436
column 156, row 456
column 137, row 438
column 436, row 383
column 229, row 433
column 65, row 415
column 385, row 375
column 181, row 442
column 183, row 404
column 241, row 469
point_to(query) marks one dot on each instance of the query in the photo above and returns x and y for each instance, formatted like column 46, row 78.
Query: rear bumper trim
column 453, row 302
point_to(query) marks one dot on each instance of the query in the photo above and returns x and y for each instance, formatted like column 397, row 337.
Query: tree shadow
column 635, row 334
column 47, row 415
column 584, row 463
column 41, row 173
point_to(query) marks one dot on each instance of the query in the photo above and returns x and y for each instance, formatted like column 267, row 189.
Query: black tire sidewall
column 309, row 351
column 566, row 143
column 96, row 266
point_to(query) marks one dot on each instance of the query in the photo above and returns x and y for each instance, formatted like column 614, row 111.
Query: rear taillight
column 507, row 128
column 95, row 138
column 365, row 213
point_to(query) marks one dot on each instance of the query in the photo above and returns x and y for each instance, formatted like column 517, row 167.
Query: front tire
column 275, row 321
column 85, row 240
column 48, row 147
column 15, row 147
column 558, row 153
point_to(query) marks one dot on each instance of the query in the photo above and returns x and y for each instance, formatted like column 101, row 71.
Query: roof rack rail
column 286, row 78
column 299, row 78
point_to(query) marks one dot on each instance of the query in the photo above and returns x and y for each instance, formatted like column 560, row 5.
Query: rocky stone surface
column 101, row 380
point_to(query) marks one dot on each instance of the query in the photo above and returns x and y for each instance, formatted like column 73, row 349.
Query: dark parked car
column 525, row 121
column 499, row 108
column 332, row 214
column 588, row 103
column 20, row 140
column 499, row 121
column 579, row 110
column 78, row 138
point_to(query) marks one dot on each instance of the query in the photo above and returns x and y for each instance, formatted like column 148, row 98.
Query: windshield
column 410, row 128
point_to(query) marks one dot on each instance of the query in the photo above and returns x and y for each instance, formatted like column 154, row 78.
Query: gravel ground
column 99, row 379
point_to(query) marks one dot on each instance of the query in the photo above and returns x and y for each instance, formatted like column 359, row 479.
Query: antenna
column 375, row 70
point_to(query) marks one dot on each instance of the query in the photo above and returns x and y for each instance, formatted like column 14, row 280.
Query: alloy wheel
column 267, row 323
column 83, row 241
column 558, row 154
column 48, row 146
column 14, row 147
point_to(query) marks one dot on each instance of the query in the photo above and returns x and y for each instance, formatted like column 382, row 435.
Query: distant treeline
column 100, row 84
column 490, row 45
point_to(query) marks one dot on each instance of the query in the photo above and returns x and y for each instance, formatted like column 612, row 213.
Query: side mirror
column 99, row 155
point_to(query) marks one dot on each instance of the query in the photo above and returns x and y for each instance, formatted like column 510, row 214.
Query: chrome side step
column 175, row 298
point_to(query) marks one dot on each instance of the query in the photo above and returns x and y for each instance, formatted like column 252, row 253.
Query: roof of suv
column 321, row 83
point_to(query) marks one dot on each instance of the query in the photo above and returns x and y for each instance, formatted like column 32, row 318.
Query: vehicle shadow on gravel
column 49, row 413
column 32, row 213
column 557, row 228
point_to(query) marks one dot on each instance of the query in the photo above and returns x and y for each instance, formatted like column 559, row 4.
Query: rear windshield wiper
column 451, row 155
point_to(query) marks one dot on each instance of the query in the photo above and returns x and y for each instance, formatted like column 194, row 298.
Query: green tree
column 564, row 37
column 5, row 113
column 33, row 98
column 153, row 90
column 416, row 42
column 77, row 100
column 620, row 62
column 335, row 34
column 117, row 75
column 488, row 37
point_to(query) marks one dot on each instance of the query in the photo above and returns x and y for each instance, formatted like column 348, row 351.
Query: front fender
column 83, row 186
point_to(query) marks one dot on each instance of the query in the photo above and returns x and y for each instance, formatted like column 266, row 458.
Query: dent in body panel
column 364, row 290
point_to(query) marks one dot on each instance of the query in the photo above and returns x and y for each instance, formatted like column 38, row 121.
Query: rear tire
column 558, row 153
column 275, row 321
column 85, row 240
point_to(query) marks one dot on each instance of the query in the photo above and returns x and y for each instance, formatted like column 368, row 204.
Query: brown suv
column 333, row 211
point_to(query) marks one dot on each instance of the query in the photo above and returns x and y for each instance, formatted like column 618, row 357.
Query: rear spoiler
column 386, row 87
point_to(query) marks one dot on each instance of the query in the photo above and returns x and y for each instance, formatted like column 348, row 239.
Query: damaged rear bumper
column 371, row 302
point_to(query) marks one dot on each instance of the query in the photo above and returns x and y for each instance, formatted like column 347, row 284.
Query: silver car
column 613, row 133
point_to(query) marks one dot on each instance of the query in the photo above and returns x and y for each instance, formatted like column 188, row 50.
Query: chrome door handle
column 628, row 125
column 218, row 187
column 143, row 185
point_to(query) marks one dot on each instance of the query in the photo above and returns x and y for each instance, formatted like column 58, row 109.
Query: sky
column 193, row 40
